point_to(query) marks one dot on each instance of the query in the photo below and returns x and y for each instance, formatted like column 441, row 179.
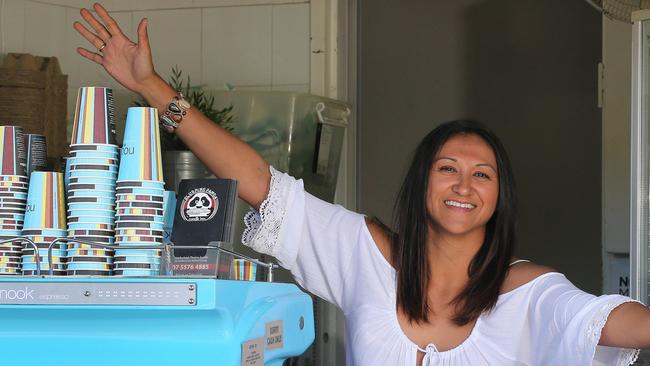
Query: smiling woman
column 463, row 164
column 443, row 289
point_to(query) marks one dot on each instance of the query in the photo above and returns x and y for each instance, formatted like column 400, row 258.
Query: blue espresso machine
column 160, row 321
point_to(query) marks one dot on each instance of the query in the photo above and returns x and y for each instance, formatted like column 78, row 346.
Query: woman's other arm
column 131, row 65
column 628, row 326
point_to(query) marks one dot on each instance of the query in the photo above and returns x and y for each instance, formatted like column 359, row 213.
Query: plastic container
column 298, row 133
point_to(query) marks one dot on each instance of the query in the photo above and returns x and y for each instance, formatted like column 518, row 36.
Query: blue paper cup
column 44, row 266
column 66, row 172
column 106, row 239
column 12, row 200
column 31, row 259
column 137, row 252
column 89, row 258
column 94, row 118
column 99, row 200
column 89, row 265
column 94, row 147
column 44, row 232
column 169, row 204
column 141, row 184
column 143, row 238
column 138, row 211
column 11, row 205
column 91, row 226
column 112, row 175
column 139, row 225
column 89, row 273
column 135, row 217
column 13, row 193
column 136, row 265
column 93, row 180
column 138, row 198
column 92, row 212
column 78, row 252
column 14, row 190
column 92, row 161
column 95, row 193
column 135, row 273
column 11, row 226
column 12, row 151
column 14, row 178
column 10, row 232
column 95, row 154
column 89, row 232
column 15, row 211
column 101, row 167
column 12, row 216
column 10, row 259
column 140, row 204
column 91, row 187
column 14, row 185
column 138, row 232
column 140, row 156
column 137, row 258
column 91, row 206
column 45, row 202
column 91, row 220
column 139, row 191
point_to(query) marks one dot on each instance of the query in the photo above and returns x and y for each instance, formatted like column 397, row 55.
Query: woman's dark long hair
column 488, row 268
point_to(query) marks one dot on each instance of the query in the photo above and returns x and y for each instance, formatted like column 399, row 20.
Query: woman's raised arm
column 131, row 65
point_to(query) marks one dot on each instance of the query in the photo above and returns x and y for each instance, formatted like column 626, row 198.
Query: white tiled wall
column 249, row 44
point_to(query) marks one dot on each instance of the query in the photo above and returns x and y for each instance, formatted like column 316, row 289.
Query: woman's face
column 463, row 186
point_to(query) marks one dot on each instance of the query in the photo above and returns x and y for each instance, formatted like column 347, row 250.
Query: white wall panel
column 291, row 44
column 13, row 26
column 175, row 37
column 237, row 45
column 44, row 29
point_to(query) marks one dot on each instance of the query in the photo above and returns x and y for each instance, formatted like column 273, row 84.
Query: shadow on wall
column 531, row 75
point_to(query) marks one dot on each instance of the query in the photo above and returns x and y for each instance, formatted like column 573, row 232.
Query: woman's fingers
column 99, row 28
column 88, row 35
column 143, row 35
column 111, row 24
column 95, row 57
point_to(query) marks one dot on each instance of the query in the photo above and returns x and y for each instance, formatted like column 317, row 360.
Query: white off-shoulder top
column 329, row 250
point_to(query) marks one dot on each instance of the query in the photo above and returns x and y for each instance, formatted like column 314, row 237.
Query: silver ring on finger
column 101, row 47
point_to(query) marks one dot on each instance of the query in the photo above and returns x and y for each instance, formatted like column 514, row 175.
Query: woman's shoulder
column 381, row 235
column 522, row 273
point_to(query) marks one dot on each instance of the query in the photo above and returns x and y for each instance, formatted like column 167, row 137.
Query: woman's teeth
column 459, row 204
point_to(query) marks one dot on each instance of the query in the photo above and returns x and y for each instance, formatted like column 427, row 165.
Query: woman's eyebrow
column 487, row 165
column 444, row 157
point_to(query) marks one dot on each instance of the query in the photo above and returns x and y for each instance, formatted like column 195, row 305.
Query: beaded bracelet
column 174, row 113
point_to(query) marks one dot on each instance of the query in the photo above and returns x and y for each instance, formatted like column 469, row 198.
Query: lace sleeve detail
column 262, row 229
column 627, row 356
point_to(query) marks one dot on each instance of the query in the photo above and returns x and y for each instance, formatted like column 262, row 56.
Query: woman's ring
column 102, row 47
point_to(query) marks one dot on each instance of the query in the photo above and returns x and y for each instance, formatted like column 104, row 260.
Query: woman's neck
column 449, row 259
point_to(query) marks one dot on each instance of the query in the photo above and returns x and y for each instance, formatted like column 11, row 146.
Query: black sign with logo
column 204, row 213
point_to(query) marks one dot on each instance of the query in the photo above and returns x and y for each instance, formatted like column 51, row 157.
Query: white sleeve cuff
column 266, row 230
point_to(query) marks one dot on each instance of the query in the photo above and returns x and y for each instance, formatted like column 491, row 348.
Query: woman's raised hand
column 127, row 62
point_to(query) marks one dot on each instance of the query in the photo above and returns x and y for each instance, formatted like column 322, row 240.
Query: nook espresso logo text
column 25, row 294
